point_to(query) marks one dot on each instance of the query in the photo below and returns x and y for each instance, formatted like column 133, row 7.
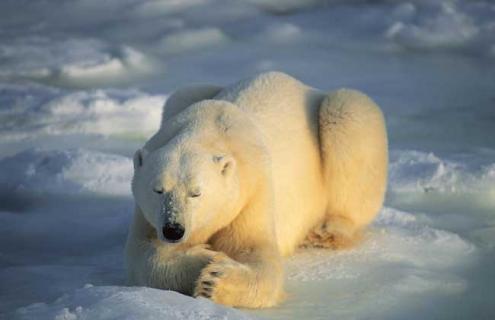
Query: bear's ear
column 225, row 163
column 139, row 158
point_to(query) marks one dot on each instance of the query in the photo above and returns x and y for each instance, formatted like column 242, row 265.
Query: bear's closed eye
column 194, row 194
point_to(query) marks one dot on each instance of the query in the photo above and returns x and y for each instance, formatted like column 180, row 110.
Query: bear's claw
column 206, row 283
column 215, row 279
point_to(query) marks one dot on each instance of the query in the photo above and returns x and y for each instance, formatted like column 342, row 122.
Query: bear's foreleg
column 154, row 264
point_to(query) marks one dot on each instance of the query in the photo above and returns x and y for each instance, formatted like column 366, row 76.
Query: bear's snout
column 173, row 232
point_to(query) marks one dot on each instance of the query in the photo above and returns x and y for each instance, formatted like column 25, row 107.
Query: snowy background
column 82, row 83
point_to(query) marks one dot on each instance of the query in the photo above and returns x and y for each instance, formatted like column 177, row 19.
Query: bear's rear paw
column 336, row 233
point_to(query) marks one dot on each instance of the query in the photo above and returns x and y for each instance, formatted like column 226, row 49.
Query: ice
column 82, row 85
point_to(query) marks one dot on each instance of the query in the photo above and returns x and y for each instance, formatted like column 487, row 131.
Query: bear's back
column 280, row 105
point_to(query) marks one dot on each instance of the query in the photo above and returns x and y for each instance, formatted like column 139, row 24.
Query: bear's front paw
column 222, row 281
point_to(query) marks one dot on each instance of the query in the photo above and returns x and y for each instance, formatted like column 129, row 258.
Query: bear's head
column 186, row 179
column 185, row 191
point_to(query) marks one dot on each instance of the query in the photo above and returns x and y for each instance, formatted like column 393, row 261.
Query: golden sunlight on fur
column 239, row 177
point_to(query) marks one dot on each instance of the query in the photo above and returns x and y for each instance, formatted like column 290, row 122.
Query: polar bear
column 238, row 177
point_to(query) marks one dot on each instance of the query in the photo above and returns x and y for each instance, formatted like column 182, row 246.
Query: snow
column 41, row 116
column 415, row 171
column 92, row 302
column 82, row 84
column 70, row 61
column 71, row 171
column 445, row 27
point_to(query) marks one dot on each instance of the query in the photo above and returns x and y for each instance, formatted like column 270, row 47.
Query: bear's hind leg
column 353, row 146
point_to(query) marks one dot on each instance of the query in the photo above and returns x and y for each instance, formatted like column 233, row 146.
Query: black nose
column 173, row 231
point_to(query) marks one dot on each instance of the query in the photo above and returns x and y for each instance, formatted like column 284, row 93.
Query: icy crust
column 74, row 171
column 415, row 171
column 31, row 111
column 105, row 303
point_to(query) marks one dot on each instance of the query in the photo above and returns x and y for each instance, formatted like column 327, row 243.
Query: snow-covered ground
column 82, row 83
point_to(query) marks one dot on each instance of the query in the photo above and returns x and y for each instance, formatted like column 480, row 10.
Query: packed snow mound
column 43, row 111
column 75, row 61
column 415, row 171
column 108, row 303
column 66, row 172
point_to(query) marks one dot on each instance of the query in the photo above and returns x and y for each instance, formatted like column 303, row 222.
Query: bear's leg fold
column 256, row 282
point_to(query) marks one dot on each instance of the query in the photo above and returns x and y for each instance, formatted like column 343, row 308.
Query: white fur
column 277, row 163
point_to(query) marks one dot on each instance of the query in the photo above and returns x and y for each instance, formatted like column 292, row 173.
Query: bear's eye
column 158, row 190
column 194, row 194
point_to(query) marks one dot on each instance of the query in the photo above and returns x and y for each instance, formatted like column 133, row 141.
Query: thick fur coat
column 240, row 176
